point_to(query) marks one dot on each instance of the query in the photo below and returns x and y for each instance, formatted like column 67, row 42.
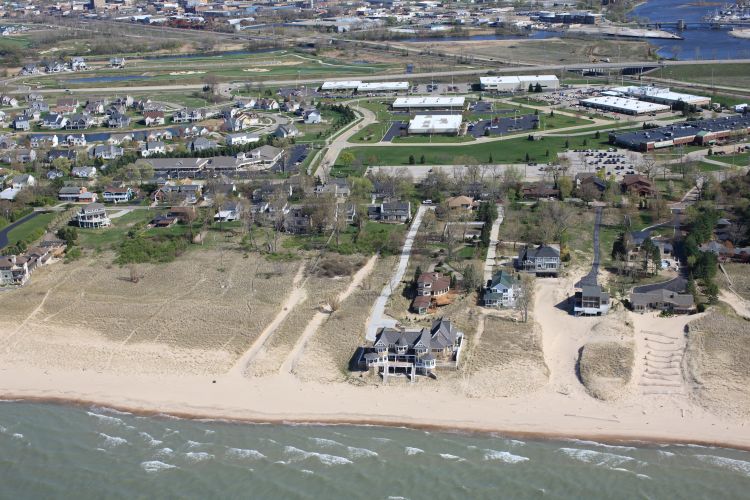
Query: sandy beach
column 42, row 358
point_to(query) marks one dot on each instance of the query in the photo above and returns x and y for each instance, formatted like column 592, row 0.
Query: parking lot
column 502, row 125
column 395, row 130
column 614, row 162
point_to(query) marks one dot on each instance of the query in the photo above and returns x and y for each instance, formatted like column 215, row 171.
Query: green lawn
column 733, row 75
column 373, row 238
column 434, row 139
column 110, row 237
column 30, row 229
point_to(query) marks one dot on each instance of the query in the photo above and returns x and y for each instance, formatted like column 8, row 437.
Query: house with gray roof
column 412, row 352
column 662, row 299
column 591, row 301
column 543, row 260
column 501, row 291
column 397, row 212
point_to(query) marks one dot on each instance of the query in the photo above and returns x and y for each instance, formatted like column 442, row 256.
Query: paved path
column 341, row 141
column 591, row 278
column 7, row 229
column 489, row 262
column 378, row 318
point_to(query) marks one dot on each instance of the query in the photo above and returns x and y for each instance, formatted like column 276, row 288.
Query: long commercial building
column 435, row 124
column 624, row 105
column 700, row 132
column 662, row 95
column 424, row 103
column 516, row 83
column 359, row 86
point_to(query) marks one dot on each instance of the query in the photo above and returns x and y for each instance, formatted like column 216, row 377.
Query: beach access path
column 378, row 318
column 489, row 262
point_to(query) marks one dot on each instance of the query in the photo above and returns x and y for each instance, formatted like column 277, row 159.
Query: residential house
column 501, row 291
column 117, row 62
column 118, row 194
column 285, row 131
column 43, row 141
column 638, row 184
column 178, row 193
column 83, row 172
column 92, row 215
column 543, row 260
column 151, row 148
column 8, row 100
column 54, row 67
column 71, row 193
column 397, row 212
column 77, row 64
column 461, row 203
column 336, row 186
column 66, row 106
column 22, row 155
column 37, row 107
column 23, row 181
column 118, row 120
column 187, row 115
column 662, row 299
column 229, row 211
column 14, row 270
column 539, row 191
column 262, row 157
column 433, row 285
column 106, row 151
column 202, row 144
column 241, row 121
column 30, row 69
column 591, row 184
column 311, row 117
column 95, row 107
column 267, row 104
column 68, row 154
column 88, row 197
column 590, row 300
column 54, row 121
column 349, row 210
column 76, row 141
column 151, row 118
column 79, row 121
column 398, row 351
column 241, row 139
column 22, row 122
column 53, row 174
column 298, row 221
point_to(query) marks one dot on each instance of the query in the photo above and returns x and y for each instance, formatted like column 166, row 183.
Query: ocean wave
column 642, row 476
column 297, row 455
column 105, row 409
column 516, row 442
column 198, row 456
column 150, row 439
column 208, row 432
column 307, row 471
column 17, row 435
column 504, row 456
column 665, row 453
column 360, row 452
column 409, row 450
column 727, row 463
column 245, row 453
column 194, row 444
column 112, row 441
column 602, row 445
column 325, row 442
column 382, row 440
column 107, row 419
column 156, row 466
column 164, row 452
column 599, row 458
column 448, row 456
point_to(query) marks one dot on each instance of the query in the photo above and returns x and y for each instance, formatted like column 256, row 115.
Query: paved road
column 378, row 318
column 591, row 278
column 7, row 229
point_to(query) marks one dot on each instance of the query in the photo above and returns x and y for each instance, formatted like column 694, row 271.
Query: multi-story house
column 501, row 291
column 92, row 215
column 543, row 260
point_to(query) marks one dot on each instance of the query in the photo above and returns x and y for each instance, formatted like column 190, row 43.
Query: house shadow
column 578, row 365
column 565, row 305
column 353, row 365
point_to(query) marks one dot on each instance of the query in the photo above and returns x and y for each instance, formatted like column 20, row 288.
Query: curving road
column 7, row 229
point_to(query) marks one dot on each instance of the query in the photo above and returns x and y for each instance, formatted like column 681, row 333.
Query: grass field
column 29, row 228
column 731, row 75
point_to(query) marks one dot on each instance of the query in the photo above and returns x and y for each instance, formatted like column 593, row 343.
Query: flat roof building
column 383, row 87
column 435, row 124
column 519, row 82
column 624, row 105
column 341, row 85
column 700, row 132
column 662, row 95
column 408, row 103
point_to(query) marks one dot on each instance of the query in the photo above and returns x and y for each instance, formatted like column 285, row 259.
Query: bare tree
column 133, row 270
column 525, row 295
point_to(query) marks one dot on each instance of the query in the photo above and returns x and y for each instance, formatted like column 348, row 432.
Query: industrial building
column 359, row 86
column 661, row 95
column 337, row 85
column 701, row 132
column 425, row 103
column 516, row 83
column 624, row 105
column 435, row 124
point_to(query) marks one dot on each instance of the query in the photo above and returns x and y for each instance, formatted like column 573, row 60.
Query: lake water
column 51, row 451
column 698, row 43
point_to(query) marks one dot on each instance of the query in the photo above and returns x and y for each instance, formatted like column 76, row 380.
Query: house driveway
column 378, row 318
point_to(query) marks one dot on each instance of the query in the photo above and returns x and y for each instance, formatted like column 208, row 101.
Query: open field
column 547, row 51
column 717, row 360
column 740, row 276
column 187, row 315
column 731, row 75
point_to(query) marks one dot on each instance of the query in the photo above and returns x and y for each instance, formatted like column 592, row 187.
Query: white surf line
column 296, row 296
column 378, row 318
column 317, row 320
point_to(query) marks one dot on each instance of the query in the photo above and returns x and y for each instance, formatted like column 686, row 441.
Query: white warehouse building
column 383, row 87
column 424, row 103
column 662, row 95
column 340, row 85
column 516, row 83
column 624, row 105
column 435, row 124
